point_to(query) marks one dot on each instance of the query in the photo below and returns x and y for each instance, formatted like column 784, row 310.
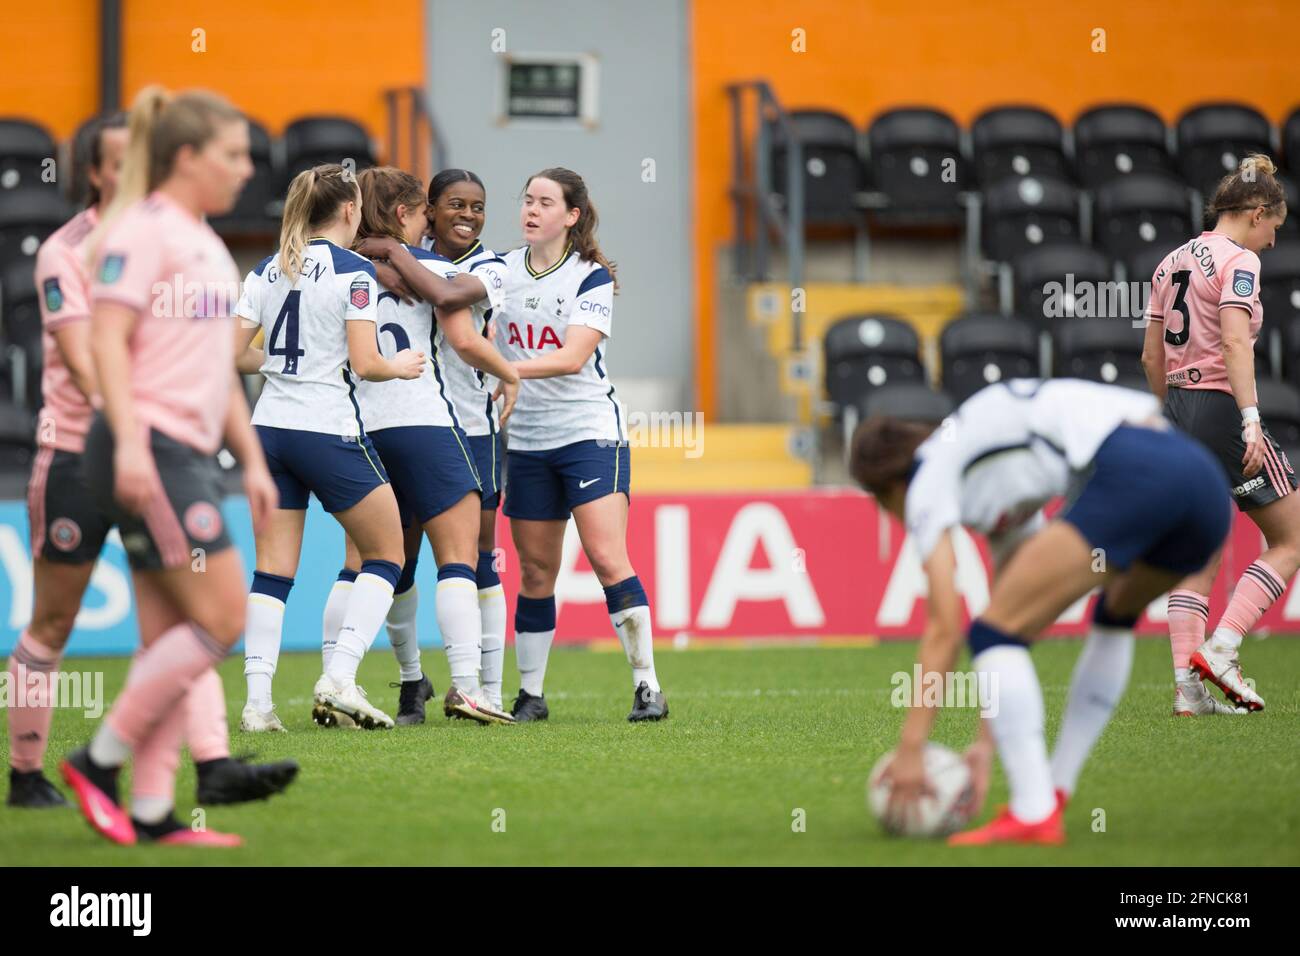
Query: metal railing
column 758, row 210
column 422, row 152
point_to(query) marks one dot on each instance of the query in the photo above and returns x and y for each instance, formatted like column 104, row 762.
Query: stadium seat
column 1213, row 139
column 1118, row 140
column 979, row 349
column 17, row 437
column 24, row 149
column 20, row 329
column 261, row 202
column 1279, row 407
column 910, row 401
column 1290, row 346
column 313, row 140
column 1063, row 281
column 908, row 151
column 1027, row 212
column 1291, row 227
column 1291, row 143
column 863, row 352
column 1279, row 280
column 27, row 217
column 1139, row 211
column 833, row 171
column 1100, row 350
column 1141, row 264
column 1017, row 141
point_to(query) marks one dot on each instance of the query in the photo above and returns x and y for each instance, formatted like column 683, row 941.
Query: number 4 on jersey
column 288, row 318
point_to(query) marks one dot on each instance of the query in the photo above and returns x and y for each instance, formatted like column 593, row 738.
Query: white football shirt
column 309, row 386
column 540, row 307
column 1009, row 449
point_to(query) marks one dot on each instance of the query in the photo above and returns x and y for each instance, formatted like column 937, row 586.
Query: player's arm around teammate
column 567, row 448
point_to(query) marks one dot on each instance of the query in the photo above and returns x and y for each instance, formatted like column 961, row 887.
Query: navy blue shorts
column 548, row 485
column 431, row 467
column 1155, row 497
column 488, row 456
column 338, row 471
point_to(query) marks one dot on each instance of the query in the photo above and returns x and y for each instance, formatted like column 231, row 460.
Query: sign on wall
column 550, row 88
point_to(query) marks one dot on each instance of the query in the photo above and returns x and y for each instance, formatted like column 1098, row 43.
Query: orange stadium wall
column 864, row 56
column 275, row 60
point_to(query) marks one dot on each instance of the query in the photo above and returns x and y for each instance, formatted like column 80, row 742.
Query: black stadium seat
column 20, row 327
column 1141, row 265
column 863, row 352
column 979, row 349
column 25, row 149
column 1028, row 212
column 1050, row 283
column 910, row 401
column 1279, row 407
column 1279, row 280
column 1017, row 141
column 1291, row 143
column 1100, row 350
column 1139, row 211
column 27, row 217
column 1291, row 227
column 909, row 150
column 1119, row 140
column 260, row 205
column 832, row 167
column 17, row 437
column 314, row 140
column 1214, row 138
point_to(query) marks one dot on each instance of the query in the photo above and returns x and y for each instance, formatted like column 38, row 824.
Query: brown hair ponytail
column 383, row 189
column 1253, row 184
column 882, row 451
column 315, row 196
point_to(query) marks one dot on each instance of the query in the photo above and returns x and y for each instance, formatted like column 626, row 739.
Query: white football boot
column 467, row 706
column 1223, row 670
column 1191, row 699
column 253, row 721
column 348, row 702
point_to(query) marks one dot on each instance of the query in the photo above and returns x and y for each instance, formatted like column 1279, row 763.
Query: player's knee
column 537, row 575
column 610, row 564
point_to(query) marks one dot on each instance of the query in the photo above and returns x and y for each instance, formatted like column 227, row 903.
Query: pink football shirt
column 64, row 288
column 177, row 274
column 1192, row 284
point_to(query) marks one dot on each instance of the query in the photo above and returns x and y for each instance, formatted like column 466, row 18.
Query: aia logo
column 545, row 338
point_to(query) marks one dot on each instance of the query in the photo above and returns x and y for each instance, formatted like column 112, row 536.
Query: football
column 946, row 811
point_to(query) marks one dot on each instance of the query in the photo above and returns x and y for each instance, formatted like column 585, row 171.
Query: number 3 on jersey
column 1181, row 280
column 288, row 318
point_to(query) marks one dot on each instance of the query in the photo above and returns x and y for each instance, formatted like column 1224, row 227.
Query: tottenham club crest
column 1243, row 282
column 65, row 534
column 203, row 521
column 360, row 293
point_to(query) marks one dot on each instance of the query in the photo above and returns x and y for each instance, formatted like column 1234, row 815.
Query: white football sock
column 262, row 647
column 336, row 605
column 1017, row 723
column 492, row 617
column 531, row 651
column 368, row 605
column 1225, row 639
column 402, row 634
column 1182, row 674
column 107, row 749
column 461, row 626
column 1100, row 677
column 150, row 809
column 633, row 629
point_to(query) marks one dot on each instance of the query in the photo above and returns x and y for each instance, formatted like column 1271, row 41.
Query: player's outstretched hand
column 906, row 777
column 263, row 496
column 409, row 363
column 135, row 476
column 376, row 247
column 1253, row 460
column 510, row 392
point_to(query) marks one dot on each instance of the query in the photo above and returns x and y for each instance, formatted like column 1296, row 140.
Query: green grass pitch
column 755, row 735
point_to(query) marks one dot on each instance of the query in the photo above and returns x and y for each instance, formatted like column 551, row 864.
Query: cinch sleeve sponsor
column 126, row 272
column 594, row 304
column 492, row 273
column 1240, row 281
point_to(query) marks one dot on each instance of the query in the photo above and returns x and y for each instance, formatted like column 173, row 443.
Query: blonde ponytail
column 1253, row 184
column 314, row 198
